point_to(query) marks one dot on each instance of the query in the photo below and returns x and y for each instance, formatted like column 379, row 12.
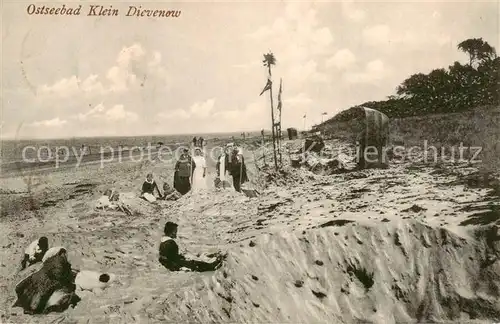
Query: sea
column 18, row 151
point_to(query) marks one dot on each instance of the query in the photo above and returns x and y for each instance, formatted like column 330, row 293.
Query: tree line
column 458, row 88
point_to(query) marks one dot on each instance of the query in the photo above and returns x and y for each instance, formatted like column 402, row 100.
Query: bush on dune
column 459, row 88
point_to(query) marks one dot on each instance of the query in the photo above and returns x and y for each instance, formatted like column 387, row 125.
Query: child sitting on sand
column 148, row 188
column 170, row 193
column 35, row 252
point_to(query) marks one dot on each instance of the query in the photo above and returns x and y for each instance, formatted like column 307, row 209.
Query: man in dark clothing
column 184, row 169
column 195, row 140
column 238, row 169
column 172, row 260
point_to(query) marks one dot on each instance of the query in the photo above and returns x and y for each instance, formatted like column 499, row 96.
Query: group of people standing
column 232, row 162
column 190, row 174
column 198, row 142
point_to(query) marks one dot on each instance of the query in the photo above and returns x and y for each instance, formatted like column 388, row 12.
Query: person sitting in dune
column 148, row 188
column 170, row 193
column 35, row 252
column 172, row 260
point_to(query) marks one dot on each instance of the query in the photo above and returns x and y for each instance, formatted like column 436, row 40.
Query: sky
column 202, row 72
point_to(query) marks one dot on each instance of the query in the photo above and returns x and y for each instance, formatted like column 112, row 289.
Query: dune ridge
column 379, row 273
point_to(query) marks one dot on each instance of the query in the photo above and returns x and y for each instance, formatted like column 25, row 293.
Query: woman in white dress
column 200, row 172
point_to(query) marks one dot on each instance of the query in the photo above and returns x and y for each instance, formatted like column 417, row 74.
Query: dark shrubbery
column 456, row 89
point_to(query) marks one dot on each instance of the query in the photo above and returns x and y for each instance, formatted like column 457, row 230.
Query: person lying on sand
column 111, row 200
column 49, row 289
column 34, row 252
column 148, row 188
column 93, row 280
column 173, row 261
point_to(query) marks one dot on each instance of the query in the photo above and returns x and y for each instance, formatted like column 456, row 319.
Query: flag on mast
column 279, row 95
column 267, row 87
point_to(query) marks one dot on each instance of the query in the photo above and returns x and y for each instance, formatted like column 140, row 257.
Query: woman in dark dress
column 184, row 169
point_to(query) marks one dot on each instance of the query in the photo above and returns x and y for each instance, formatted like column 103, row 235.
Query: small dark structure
column 375, row 136
column 292, row 133
column 313, row 143
column 368, row 129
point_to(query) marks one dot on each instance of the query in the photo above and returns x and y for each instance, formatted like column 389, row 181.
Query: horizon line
column 125, row 136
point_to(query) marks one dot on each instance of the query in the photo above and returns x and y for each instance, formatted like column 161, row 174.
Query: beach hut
column 368, row 128
column 373, row 137
column 292, row 133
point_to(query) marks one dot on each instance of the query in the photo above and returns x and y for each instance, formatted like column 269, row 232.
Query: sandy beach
column 381, row 246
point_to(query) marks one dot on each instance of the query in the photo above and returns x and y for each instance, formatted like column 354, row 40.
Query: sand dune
column 381, row 274
column 411, row 243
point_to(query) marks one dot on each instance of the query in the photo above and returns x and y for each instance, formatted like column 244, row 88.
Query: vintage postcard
column 250, row 162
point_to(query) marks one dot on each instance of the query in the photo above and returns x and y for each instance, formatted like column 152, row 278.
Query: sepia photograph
column 250, row 161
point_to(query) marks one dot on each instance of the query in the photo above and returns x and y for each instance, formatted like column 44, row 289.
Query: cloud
column 68, row 87
column 251, row 65
column 352, row 13
column 308, row 71
column 133, row 65
column 129, row 54
column 279, row 26
column 115, row 113
column 377, row 35
column 56, row 122
column 120, row 79
column 255, row 115
column 330, row 56
column 174, row 114
column 406, row 39
column 342, row 59
column 118, row 112
column 298, row 41
column 374, row 71
column 197, row 110
column 299, row 100
column 92, row 112
column 202, row 109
